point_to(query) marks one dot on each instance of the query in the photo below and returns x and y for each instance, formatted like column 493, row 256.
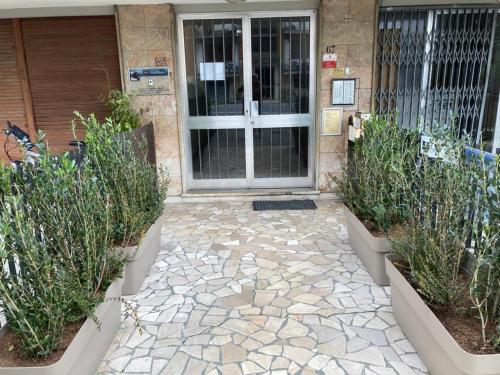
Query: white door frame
column 232, row 121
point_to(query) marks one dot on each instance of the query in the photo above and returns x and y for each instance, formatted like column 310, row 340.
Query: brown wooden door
column 72, row 62
column 11, row 96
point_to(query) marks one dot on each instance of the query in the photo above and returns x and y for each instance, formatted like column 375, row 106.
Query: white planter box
column 436, row 347
column 144, row 255
column 371, row 250
column 88, row 347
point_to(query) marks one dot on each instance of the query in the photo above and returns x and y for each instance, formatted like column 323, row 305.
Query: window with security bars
column 433, row 66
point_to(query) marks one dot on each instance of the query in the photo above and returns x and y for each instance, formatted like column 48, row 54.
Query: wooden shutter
column 11, row 96
column 72, row 61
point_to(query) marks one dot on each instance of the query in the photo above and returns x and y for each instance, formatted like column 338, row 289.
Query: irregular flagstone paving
column 235, row 291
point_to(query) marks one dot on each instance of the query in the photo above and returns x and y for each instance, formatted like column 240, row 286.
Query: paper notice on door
column 212, row 71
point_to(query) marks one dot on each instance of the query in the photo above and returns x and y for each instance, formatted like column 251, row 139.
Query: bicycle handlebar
column 20, row 135
column 24, row 140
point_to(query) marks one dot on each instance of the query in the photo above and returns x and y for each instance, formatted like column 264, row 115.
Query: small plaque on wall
column 331, row 121
column 343, row 91
column 149, row 80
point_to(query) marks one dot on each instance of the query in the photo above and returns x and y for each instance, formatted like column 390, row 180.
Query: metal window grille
column 432, row 65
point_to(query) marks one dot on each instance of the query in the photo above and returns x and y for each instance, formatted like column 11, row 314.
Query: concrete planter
column 90, row 344
column 143, row 256
column 371, row 250
column 435, row 346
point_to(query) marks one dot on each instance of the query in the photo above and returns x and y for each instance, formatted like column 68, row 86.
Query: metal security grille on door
column 248, row 99
column 214, row 74
column 280, row 86
column 214, row 64
column 433, row 65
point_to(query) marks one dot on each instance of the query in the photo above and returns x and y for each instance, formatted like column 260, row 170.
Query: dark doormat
column 305, row 204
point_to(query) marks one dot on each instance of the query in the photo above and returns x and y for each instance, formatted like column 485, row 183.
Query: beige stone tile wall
column 349, row 25
column 147, row 32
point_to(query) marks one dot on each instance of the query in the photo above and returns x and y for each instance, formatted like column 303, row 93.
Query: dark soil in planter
column 136, row 239
column 395, row 231
column 466, row 330
column 12, row 356
column 463, row 327
column 371, row 228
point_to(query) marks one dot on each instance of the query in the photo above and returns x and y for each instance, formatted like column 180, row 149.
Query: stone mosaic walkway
column 278, row 292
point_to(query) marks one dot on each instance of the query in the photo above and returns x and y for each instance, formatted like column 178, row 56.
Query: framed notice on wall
column 331, row 121
column 343, row 91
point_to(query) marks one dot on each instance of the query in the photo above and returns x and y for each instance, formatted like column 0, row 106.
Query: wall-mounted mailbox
column 149, row 81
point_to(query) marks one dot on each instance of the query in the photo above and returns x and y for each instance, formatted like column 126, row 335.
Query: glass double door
column 248, row 100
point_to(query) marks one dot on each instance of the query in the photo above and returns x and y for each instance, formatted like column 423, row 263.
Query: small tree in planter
column 484, row 286
column 436, row 269
column 440, row 197
column 135, row 188
column 137, row 191
column 56, row 269
column 383, row 156
column 63, row 198
column 36, row 302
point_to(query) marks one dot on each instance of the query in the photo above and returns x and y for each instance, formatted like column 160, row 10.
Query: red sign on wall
column 329, row 60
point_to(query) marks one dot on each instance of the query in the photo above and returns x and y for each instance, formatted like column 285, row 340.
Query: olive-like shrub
column 451, row 242
column 55, row 235
column 369, row 184
column 136, row 188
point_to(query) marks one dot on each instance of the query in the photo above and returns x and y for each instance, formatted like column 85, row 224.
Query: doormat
column 305, row 204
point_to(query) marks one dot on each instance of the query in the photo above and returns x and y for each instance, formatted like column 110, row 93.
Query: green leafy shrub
column 369, row 183
column 122, row 116
column 56, row 227
column 36, row 302
column 76, row 215
column 136, row 188
column 451, row 244
column 484, row 287
column 440, row 198
column 59, row 221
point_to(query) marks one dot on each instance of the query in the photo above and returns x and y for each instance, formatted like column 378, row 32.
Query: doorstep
column 208, row 196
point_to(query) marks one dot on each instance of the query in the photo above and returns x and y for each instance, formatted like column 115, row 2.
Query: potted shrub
column 137, row 190
column 445, row 273
column 60, row 287
column 122, row 115
column 375, row 205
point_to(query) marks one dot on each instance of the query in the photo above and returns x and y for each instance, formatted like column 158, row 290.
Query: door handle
column 254, row 109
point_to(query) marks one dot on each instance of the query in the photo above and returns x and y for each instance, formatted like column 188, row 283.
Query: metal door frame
column 292, row 120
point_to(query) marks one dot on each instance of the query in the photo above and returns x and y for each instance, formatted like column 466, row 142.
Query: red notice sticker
column 329, row 60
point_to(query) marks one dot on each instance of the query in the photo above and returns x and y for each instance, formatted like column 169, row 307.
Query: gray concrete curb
column 435, row 346
column 90, row 344
column 144, row 256
column 371, row 250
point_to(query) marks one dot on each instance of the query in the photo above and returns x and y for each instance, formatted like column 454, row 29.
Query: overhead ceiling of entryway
column 17, row 4
column 56, row 8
